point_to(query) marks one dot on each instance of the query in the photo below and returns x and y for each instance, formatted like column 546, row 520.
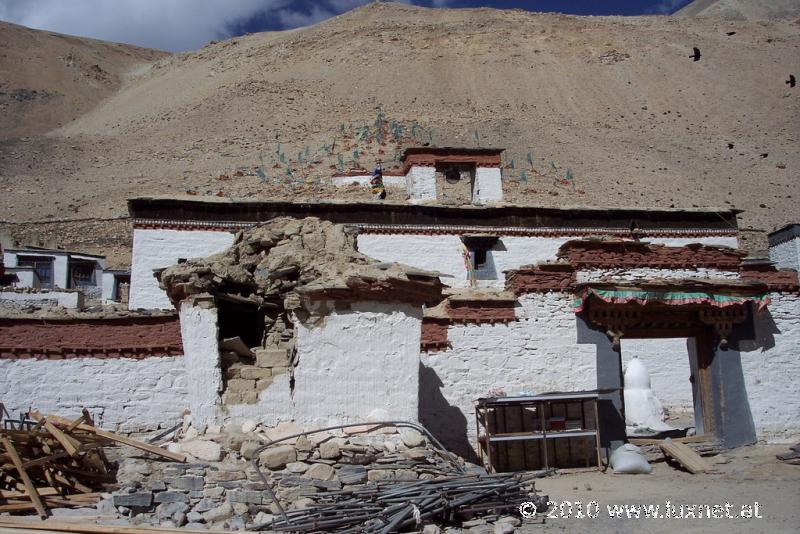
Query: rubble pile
column 311, row 473
column 283, row 263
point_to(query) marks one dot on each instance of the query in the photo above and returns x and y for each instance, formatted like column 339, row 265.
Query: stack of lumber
column 59, row 463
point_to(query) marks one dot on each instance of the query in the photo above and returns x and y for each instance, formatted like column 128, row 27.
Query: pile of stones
column 228, row 492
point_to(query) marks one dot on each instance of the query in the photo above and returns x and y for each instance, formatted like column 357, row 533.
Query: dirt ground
column 743, row 476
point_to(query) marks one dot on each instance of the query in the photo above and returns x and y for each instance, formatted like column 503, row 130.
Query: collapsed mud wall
column 272, row 293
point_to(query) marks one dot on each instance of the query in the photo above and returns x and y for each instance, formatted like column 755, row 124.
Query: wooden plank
column 685, row 456
column 80, row 420
column 29, row 487
column 687, row 439
column 70, row 444
column 83, row 528
column 178, row 457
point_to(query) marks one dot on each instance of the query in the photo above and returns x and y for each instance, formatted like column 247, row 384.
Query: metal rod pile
column 392, row 506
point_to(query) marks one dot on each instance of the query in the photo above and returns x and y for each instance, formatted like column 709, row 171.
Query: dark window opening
column 237, row 320
column 479, row 258
column 480, row 255
column 82, row 274
column 42, row 266
column 122, row 284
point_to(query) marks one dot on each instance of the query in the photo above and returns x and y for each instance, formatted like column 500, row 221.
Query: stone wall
column 360, row 360
column 771, row 365
column 123, row 394
column 786, row 255
column 200, row 332
column 537, row 353
column 15, row 299
column 421, row 184
column 156, row 249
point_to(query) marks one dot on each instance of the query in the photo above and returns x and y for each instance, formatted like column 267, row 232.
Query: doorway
column 672, row 367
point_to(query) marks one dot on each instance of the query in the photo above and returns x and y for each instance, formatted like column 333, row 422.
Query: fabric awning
column 670, row 297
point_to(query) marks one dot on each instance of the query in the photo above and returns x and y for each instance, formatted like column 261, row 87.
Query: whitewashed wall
column 66, row 299
column 26, row 277
column 771, row 365
column 354, row 364
column 668, row 362
column 421, row 184
column 60, row 269
column 108, row 287
column 537, row 354
column 388, row 181
column 156, row 249
column 786, row 255
column 443, row 253
column 200, row 334
column 488, row 185
column 122, row 394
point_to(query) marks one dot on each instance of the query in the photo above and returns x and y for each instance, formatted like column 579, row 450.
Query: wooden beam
column 687, row 439
column 29, row 487
column 64, row 526
column 178, row 457
column 684, row 455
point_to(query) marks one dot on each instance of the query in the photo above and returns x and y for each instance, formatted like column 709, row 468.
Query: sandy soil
column 611, row 111
column 743, row 476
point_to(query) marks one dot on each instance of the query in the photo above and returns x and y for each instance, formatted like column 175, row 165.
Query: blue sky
column 178, row 25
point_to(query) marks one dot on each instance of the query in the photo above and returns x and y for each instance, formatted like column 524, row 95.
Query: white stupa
column 643, row 410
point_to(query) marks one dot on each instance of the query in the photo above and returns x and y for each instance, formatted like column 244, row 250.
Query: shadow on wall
column 763, row 335
column 445, row 422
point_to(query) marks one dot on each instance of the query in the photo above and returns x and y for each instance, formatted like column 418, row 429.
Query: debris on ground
column 391, row 506
column 791, row 457
column 52, row 462
column 684, row 455
column 401, row 474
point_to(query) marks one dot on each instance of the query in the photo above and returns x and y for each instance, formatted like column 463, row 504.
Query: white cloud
column 666, row 7
column 167, row 24
column 164, row 24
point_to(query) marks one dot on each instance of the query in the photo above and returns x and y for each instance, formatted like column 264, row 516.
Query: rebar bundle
column 392, row 506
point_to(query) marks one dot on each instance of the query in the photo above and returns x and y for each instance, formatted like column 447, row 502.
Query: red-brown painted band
column 132, row 337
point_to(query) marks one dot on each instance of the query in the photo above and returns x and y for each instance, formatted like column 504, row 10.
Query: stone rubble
column 226, row 492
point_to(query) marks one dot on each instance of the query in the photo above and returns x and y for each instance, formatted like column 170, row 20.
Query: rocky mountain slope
column 742, row 9
column 48, row 79
column 592, row 110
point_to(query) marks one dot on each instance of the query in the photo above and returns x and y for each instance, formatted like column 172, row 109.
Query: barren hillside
column 593, row 110
column 742, row 9
column 48, row 79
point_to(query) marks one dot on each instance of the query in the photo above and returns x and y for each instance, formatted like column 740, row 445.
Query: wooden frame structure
column 533, row 418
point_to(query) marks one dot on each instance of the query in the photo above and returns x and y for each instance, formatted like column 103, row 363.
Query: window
column 81, row 274
column 42, row 266
column 480, row 256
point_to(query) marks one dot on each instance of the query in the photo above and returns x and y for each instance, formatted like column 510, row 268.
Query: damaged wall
column 200, row 344
column 362, row 359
